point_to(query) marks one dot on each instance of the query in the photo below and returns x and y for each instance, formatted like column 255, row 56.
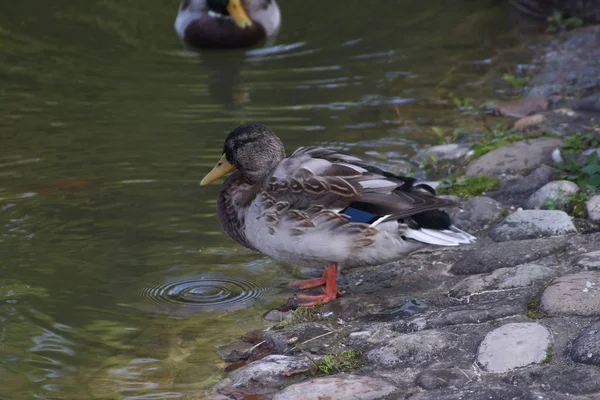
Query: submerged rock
column 338, row 387
column 557, row 193
column 576, row 294
column 514, row 158
column 530, row 224
column 513, row 346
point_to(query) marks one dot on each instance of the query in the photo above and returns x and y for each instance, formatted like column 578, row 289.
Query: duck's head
column 254, row 150
column 233, row 8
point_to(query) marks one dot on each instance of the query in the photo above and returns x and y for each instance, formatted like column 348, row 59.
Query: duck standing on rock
column 219, row 24
column 318, row 207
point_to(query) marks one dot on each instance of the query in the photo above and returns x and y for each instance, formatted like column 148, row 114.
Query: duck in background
column 320, row 208
column 586, row 10
column 226, row 24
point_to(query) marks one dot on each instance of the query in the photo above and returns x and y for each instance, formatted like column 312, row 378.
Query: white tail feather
column 447, row 237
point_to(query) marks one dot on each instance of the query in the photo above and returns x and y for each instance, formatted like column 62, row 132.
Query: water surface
column 116, row 280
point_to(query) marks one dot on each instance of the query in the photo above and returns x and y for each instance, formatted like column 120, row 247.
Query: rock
column 463, row 314
column 451, row 151
column 514, row 158
column 586, row 346
column 513, row 346
column 437, row 378
column 589, row 261
column 578, row 380
column 268, row 371
column 338, row 387
column 502, row 278
column 476, row 391
column 283, row 339
column 476, row 214
column 558, row 192
column 517, row 192
column 530, row 224
column 508, row 254
column 593, row 208
column 412, row 348
column 529, row 122
column 576, row 294
column 279, row 316
column 523, row 106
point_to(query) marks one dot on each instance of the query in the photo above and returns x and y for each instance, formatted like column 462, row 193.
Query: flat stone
column 269, row 370
column 513, row 346
column 451, row 151
column 559, row 192
column 413, row 348
column 531, row 224
column 476, row 214
column 586, row 347
column 589, row 261
column 338, row 387
column 593, row 208
column 576, row 294
column 514, row 158
column 507, row 254
column 503, row 278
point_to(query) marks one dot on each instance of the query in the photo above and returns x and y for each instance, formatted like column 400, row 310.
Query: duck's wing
column 315, row 176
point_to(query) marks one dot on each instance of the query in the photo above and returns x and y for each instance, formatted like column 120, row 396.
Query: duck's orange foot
column 306, row 300
column 308, row 283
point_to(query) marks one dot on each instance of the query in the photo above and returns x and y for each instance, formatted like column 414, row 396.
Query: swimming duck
column 226, row 23
column 319, row 207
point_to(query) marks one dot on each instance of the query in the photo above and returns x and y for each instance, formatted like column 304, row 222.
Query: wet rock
column 513, row 346
column 586, row 347
column 476, row 214
column 437, row 378
column 476, row 391
column 502, row 278
column 279, row 316
column 530, row 224
column 414, row 348
column 576, row 294
column 464, row 314
column 517, row 192
column 579, row 380
column 589, row 261
column 284, row 339
column 338, row 387
column 451, row 151
column 514, row 158
column 593, row 208
column 508, row 254
column 268, row 371
column 558, row 192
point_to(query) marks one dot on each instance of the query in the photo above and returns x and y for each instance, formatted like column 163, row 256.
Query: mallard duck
column 226, row 23
column 319, row 207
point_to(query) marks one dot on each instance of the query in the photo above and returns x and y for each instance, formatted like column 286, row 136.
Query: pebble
column 338, row 387
column 557, row 192
column 513, row 346
column 530, row 224
column 576, row 294
column 586, row 347
column 593, row 208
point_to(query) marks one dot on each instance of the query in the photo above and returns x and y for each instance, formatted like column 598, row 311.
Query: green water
column 116, row 281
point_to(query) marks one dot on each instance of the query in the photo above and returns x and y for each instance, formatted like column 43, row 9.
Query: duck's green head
column 234, row 8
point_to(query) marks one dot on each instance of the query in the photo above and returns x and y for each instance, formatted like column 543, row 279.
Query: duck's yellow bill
column 239, row 14
column 223, row 167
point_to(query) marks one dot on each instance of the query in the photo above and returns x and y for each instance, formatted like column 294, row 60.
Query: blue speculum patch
column 357, row 215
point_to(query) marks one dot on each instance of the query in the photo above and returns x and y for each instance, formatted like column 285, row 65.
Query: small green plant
column 572, row 202
column 465, row 106
column 444, row 137
column 495, row 138
column 504, row 212
column 340, row 361
column 467, row 187
column 557, row 22
column 580, row 142
column 549, row 355
column 585, row 173
column 517, row 82
column 533, row 306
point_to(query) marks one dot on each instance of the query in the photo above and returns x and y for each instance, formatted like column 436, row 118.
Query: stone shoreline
column 514, row 316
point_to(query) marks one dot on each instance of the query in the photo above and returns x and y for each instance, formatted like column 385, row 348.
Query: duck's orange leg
column 309, row 283
column 331, row 292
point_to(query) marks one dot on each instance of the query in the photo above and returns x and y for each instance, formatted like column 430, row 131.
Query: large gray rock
column 518, row 191
column 413, row 348
column 589, row 261
column 513, row 346
column 451, row 151
column 338, row 387
column 558, row 192
column 503, row 278
column 437, row 378
column 514, row 158
column 593, row 208
column 576, row 294
column 476, row 214
column 268, row 371
column 531, row 224
column 507, row 254
column 586, row 346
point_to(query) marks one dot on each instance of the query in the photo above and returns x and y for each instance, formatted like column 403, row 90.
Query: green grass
column 346, row 360
column 468, row 187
